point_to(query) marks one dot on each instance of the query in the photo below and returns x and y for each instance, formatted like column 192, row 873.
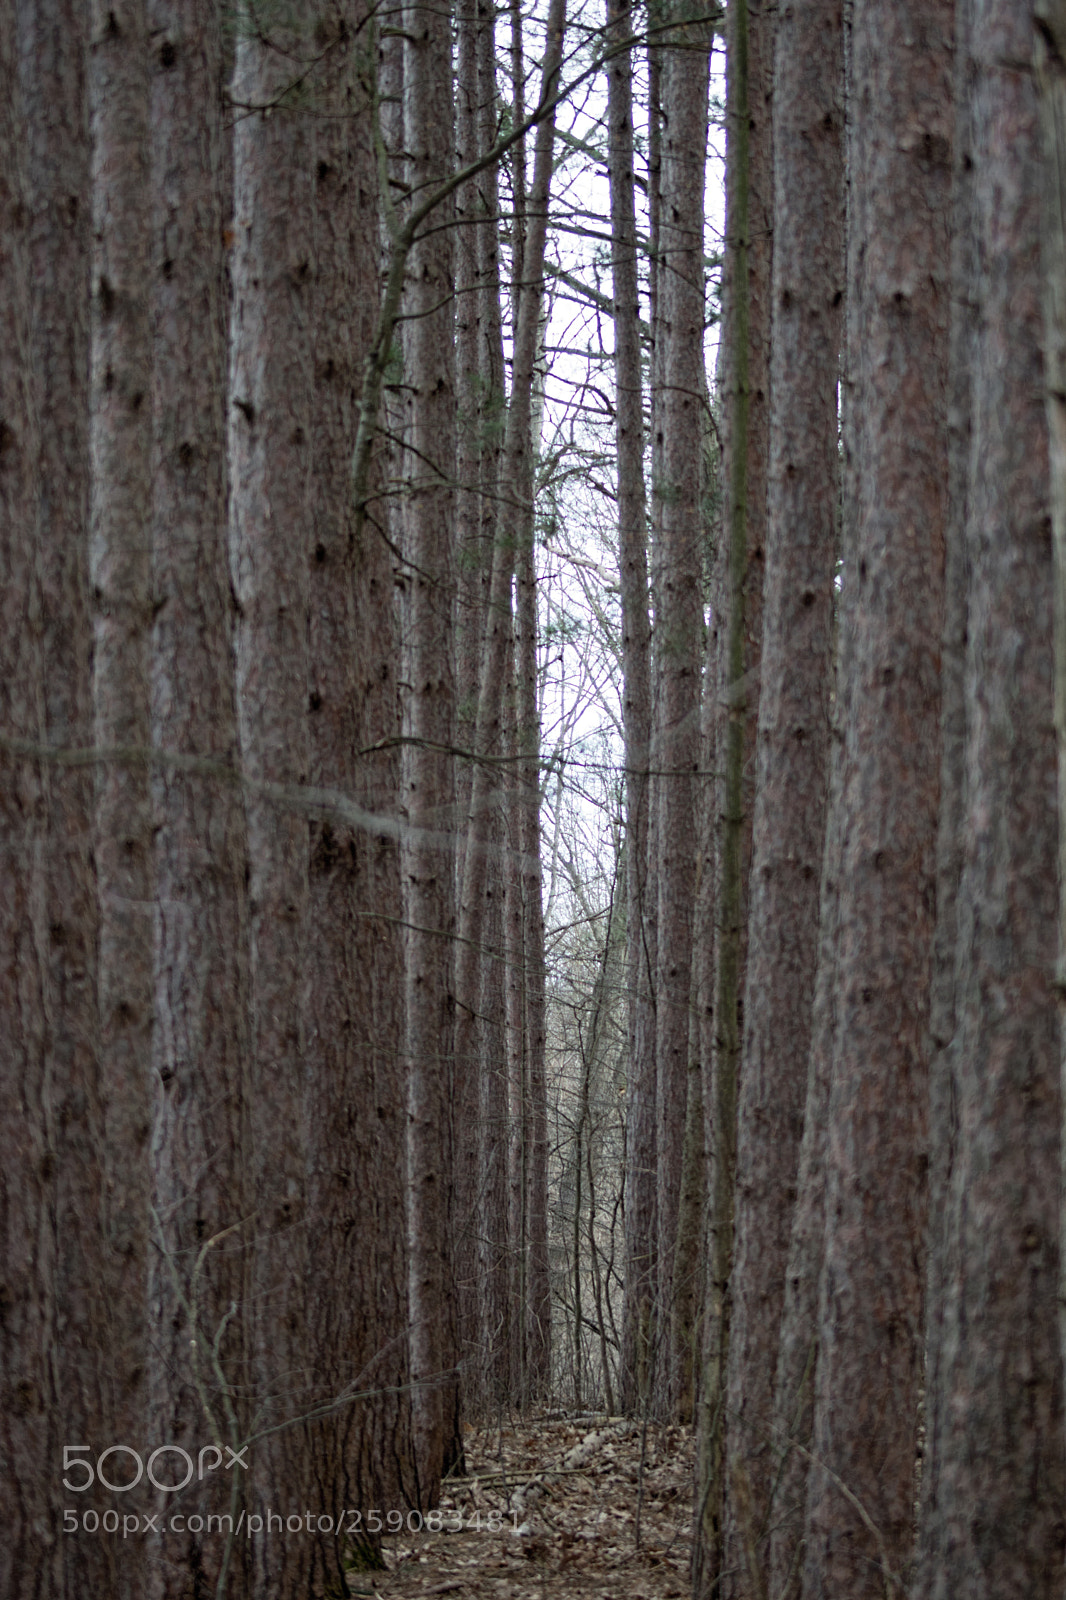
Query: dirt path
column 550, row 1510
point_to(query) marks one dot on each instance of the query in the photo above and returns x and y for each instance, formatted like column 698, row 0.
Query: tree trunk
column 996, row 1525
column 355, row 1082
column 52, row 45
column 1051, row 81
column 636, row 697
column 429, row 779
column 737, row 589
column 793, row 748
column 120, row 444
column 31, row 1428
column 272, row 349
column 870, row 1307
column 678, row 627
column 201, row 1046
column 515, row 505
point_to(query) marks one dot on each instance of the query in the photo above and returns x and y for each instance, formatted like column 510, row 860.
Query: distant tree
column 677, row 624
column 636, row 672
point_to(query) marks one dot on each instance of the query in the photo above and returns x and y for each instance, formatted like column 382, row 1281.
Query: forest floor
column 555, row 1508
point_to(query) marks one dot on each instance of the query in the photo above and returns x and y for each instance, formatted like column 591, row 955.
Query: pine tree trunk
column 793, row 749
column 30, row 1428
column 514, row 508
column 678, row 628
column 1051, row 81
column 52, row 46
column 120, row 444
column 869, row 1371
column 636, row 668
column 355, row 1079
column 201, row 1045
column 995, row 1524
column 272, row 350
column 429, row 780
column 943, row 1084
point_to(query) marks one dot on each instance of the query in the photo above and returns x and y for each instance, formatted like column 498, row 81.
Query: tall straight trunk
column 464, row 1104
column 996, row 1525
column 120, row 445
column 201, row 1044
column 469, row 227
column 943, row 1084
column 519, row 1130
column 487, row 1369
column 678, row 624
column 734, row 681
column 514, row 511
column 354, row 1078
column 793, row 748
column 636, row 692
column 869, row 1372
column 429, row 778
column 533, row 1244
column 30, row 1425
column 798, row 1344
column 272, row 350
column 52, row 46
column 1051, row 80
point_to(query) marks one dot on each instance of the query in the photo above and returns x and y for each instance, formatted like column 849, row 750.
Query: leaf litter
column 549, row 1508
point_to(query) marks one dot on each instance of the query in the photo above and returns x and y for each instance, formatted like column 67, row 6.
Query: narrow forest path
column 549, row 1509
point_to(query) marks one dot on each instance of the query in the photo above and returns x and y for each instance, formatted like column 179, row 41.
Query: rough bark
column 1050, row 55
column 429, row 778
column 678, row 628
column 514, row 509
column 636, row 703
column 793, row 748
column 52, row 46
column 737, row 584
column 943, row 1087
column 120, row 444
column 272, row 525
column 997, row 1526
column 355, row 1082
column 200, row 1051
column 870, row 1299
column 30, row 1555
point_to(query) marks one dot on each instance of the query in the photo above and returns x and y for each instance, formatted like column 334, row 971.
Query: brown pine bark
column 201, row 1043
column 272, row 539
column 52, row 58
column 120, row 445
column 678, row 628
column 995, row 1526
column 870, row 1308
column 355, row 1084
column 943, row 1084
column 30, row 1430
column 514, row 511
column 636, row 690
column 429, row 777
column 1050, row 57
column 736, row 588
column 793, row 749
